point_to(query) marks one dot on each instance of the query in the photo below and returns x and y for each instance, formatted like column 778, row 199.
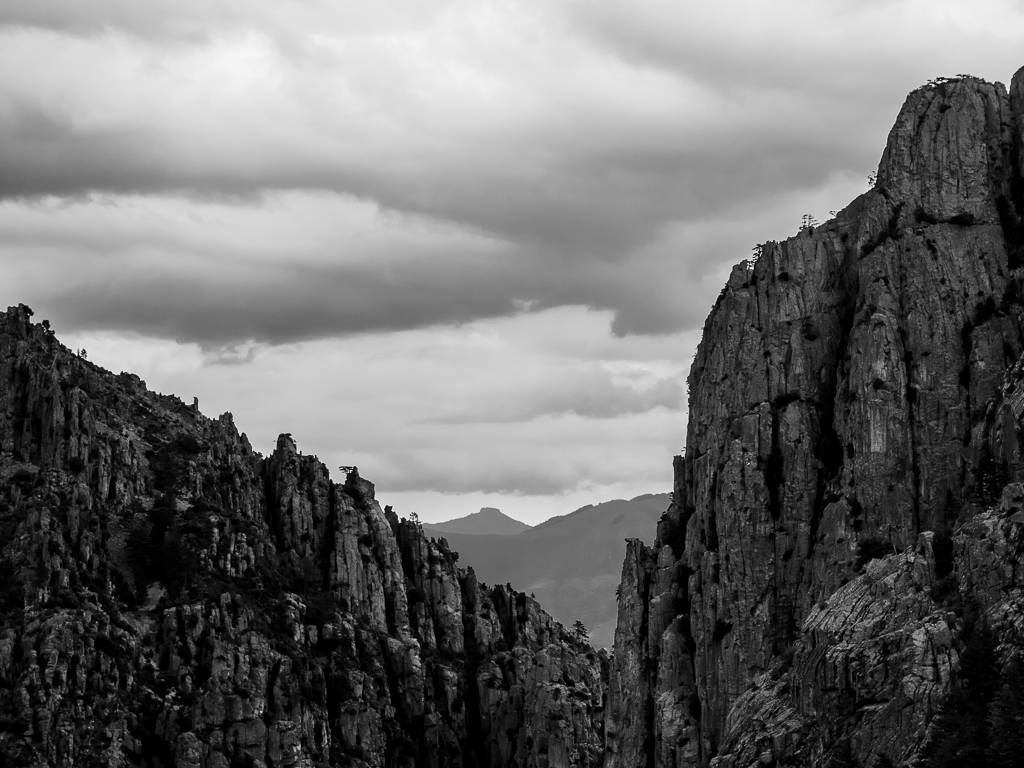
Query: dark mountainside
column 168, row 597
column 571, row 562
column 488, row 521
column 842, row 564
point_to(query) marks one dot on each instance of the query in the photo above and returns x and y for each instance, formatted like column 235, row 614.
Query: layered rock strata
column 168, row 597
column 847, row 404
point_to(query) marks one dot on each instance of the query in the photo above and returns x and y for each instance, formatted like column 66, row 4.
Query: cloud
column 492, row 406
column 468, row 246
column 230, row 354
column 589, row 391
column 200, row 20
column 313, row 266
column 473, row 159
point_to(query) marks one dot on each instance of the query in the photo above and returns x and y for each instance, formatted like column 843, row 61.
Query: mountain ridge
column 488, row 521
column 170, row 597
column 556, row 519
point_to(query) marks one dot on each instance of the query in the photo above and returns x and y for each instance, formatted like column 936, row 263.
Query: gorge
column 837, row 578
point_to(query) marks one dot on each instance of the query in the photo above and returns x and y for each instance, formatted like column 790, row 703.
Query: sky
column 468, row 246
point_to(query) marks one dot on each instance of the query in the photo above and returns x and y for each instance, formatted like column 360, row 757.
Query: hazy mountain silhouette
column 487, row 521
column 572, row 563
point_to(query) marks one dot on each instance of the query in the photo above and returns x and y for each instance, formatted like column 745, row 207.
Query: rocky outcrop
column 847, row 401
column 168, row 597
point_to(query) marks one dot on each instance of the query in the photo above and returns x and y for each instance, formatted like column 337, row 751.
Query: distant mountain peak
column 571, row 562
column 488, row 520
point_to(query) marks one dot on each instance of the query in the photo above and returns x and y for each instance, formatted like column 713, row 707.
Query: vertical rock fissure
column 966, row 344
column 773, row 471
column 649, row 672
column 330, row 534
column 477, row 754
column 910, row 397
column 1010, row 219
column 836, row 452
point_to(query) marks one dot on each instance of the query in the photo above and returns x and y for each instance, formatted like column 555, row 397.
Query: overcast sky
column 468, row 246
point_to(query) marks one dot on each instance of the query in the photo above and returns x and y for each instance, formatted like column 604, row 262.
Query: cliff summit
column 815, row 582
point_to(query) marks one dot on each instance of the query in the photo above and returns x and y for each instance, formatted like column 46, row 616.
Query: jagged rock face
column 170, row 598
column 845, row 393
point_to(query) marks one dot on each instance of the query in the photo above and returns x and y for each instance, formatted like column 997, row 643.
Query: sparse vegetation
column 672, row 532
column 842, row 756
column 991, row 477
column 808, row 223
column 11, row 594
column 24, row 480
column 170, row 459
column 579, row 632
column 871, row 548
column 722, row 628
column 981, row 722
column 320, row 607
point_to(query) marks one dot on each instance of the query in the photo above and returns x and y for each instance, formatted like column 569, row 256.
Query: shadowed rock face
column 168, row 597
column 848, row 393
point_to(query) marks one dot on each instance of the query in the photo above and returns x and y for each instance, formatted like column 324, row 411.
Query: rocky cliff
column 168, row 597
column 836, row 544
